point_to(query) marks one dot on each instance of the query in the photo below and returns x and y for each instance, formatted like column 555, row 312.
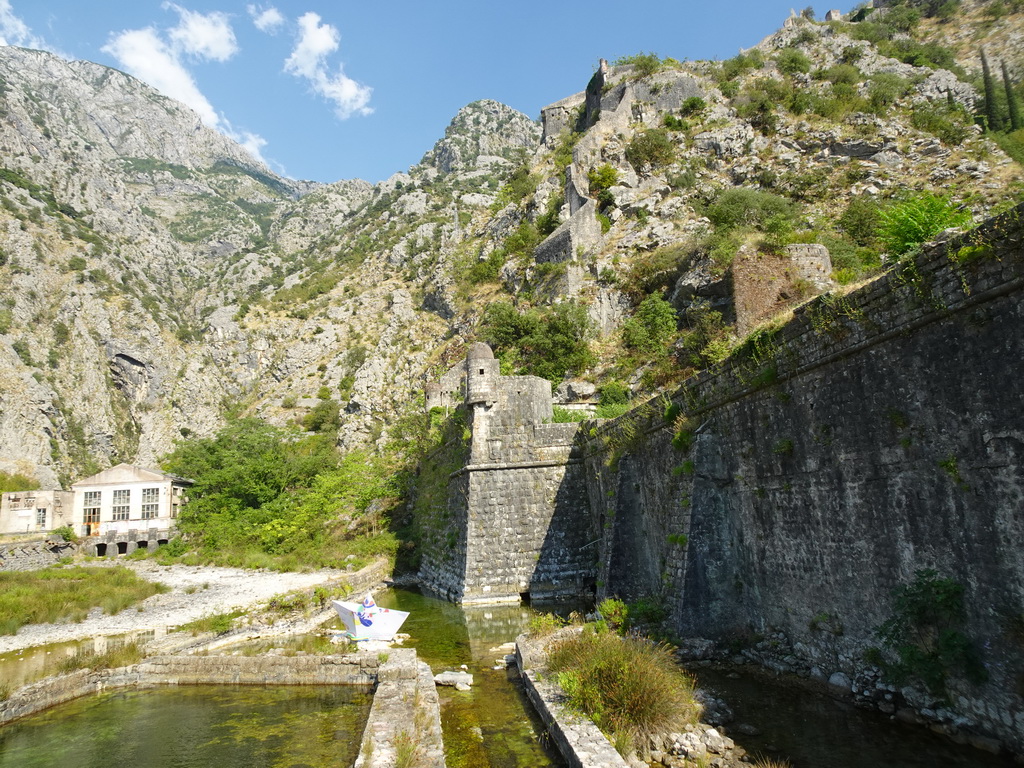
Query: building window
column 122, row 500
column 91, row 508
column 150, row 503
column 41, row 517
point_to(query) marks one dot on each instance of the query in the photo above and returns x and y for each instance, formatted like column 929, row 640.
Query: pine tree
column 991, row 109
column 1012, row 106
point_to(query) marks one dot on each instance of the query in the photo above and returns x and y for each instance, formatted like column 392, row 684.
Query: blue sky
column 329, row 89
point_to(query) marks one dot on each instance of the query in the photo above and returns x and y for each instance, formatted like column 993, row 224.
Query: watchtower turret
column 482, row 371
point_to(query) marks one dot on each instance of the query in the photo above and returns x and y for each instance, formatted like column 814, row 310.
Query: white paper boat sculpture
column 368, row 621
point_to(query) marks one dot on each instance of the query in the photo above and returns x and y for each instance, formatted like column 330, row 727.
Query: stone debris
column 460, row 681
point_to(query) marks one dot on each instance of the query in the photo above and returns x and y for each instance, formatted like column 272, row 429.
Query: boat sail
column 368, row 621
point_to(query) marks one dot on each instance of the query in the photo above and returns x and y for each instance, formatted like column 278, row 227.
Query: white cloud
column 269, row 20
column 144, row 54
column 157, row 61
column 253, row 143
column 14, row 31
column 316, row 42
column 204, row 36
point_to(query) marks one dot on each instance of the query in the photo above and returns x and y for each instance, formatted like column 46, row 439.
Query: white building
column 34, row 511
column 127, row 498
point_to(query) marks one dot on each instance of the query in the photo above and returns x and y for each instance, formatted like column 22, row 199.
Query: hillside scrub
column 907, row 223
column 67, row 594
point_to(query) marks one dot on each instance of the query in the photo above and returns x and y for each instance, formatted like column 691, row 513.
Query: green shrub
column 612, row 410
column 842, row 73
column 66, row 532
column 543, row 624
column 630, row 687
column 790, row 61
column 693, row 106
column 860, row 219
column 644, row 64
column 739, row 65
column 652, row 327
column 601, row 179
column 568, row 415
column 926, row 634
column 613, row 393
column 548, row 344
column 949, row 124
column 738, row 207
column 653, row 147
column 907, row 223
column 325, row 416
column 16, row 482
column 885, row 89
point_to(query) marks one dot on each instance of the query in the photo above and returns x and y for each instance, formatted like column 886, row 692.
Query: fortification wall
column 831, row 459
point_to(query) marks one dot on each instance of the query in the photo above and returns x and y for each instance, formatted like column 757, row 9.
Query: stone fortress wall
column 774, row 503
column 512, row 507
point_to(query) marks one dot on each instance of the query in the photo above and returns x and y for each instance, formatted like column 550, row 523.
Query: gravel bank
column 195, row 591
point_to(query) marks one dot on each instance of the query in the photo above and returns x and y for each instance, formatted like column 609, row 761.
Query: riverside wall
column 775, row 503
column 405, row 705
column 353, row 669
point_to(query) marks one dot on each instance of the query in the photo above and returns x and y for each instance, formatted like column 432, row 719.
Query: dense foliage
column 16, row 482
column 550, row 343
column 276, row 497
column 926, row 634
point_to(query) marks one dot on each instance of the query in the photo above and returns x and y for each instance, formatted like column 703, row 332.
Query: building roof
column 129, row 473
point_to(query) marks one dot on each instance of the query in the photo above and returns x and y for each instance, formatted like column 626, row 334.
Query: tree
column 1012, row 105
column 991, row 110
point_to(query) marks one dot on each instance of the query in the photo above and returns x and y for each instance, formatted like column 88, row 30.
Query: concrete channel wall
column 580, row 742
column 405, row 712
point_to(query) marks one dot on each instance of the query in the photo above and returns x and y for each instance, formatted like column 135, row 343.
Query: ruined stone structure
column 511, row 521
column 787, row 493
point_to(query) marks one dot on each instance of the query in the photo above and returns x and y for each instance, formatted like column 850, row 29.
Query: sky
column 331, row 89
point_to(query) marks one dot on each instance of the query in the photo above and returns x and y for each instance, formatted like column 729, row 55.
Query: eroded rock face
column 157, row 275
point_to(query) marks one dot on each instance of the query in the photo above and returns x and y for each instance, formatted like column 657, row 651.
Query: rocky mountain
column 154, row 278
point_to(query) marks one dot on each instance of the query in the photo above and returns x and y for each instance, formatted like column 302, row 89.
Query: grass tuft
column 122, row 656
column 67, row 594
column 630, row 687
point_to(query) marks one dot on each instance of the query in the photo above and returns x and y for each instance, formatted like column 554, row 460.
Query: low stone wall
column 30, row 555
column 580, row 741
column 352, row 669
column 405, row 719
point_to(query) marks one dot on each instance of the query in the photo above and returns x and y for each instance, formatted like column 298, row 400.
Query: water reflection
column 18, row 668
column 816, row 730
column 493, row 725
column 194, row 727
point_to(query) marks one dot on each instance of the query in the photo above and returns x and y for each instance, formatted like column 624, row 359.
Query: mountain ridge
column 147, row 297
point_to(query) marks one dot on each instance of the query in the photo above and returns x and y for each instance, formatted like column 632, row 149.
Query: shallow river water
column 490, row 726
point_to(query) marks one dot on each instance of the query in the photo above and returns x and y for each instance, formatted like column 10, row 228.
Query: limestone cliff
column 155, row 277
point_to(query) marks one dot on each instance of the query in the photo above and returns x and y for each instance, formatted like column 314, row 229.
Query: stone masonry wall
column 830, row 459
column 353, row 669
column 30, row 555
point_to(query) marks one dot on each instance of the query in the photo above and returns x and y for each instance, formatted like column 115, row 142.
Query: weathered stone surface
column 780, row 453
column 454, row 679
